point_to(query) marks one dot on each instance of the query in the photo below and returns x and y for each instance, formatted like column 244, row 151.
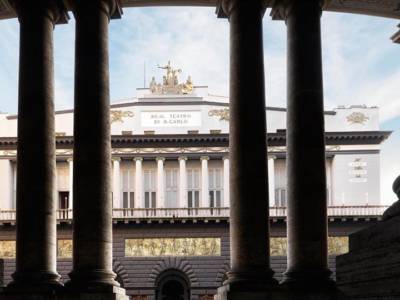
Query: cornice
column 212, row 140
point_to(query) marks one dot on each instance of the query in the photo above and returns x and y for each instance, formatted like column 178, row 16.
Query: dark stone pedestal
column 100, row 293
column 229, row 292
column 371, row 269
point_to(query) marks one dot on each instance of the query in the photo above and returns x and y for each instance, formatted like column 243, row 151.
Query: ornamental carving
column 357, row 118
column 64, row 248
column 171, row 83
column 7, row 249
column 223, row 114
column 152, row 247
column 119, row 115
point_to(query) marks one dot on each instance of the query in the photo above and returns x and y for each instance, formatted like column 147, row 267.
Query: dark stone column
column 36, row 216
column 306, row 175
column 92, row 236
column 249, row 225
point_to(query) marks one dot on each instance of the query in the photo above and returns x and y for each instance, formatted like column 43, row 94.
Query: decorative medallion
column 118, row 115
column 357, row 118
column 223, row 114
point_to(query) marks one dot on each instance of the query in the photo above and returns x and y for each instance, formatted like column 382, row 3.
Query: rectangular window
column 128, row 188
column 150, row 187
column 171, row 188
column 193, row 186
column 215, row 187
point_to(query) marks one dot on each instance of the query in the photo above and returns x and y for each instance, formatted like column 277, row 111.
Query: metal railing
column 206, row 212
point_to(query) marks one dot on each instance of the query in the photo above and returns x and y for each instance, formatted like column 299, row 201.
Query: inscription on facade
column 171, row 118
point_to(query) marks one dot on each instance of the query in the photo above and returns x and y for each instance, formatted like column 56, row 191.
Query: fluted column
column 249, row 225
column 182, row 182
column 306, row 175
column 92, row 226
column 70, row 183
column 160, row 182
column 226, row 181
column 204, row 182
column 36, row 205
column 116, row 183
column 139, row 182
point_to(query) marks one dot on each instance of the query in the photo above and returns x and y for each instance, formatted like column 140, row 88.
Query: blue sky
column 361, row 64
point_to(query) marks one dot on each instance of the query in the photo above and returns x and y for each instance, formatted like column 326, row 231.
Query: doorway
column 172, row 285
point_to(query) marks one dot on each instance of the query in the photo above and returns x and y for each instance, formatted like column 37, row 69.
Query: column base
column 34, row 283
column 234, row 291
column 95, row 293
column 309, row 281
column 93, row 280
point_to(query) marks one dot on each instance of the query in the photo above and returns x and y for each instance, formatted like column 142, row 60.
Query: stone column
column 250, row 276
column 204, row 182
column 271, row 180
column 160, row 182
column 116, row 183
column 306, row 175
column 36, row 204
column 92, row 226
column 226, row 181
column 70, row 183
column 182, row 182
column 139, row 182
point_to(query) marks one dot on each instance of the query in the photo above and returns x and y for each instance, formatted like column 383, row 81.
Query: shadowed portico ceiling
column 382, row 8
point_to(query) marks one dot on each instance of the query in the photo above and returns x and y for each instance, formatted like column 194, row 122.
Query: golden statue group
column 171, row 83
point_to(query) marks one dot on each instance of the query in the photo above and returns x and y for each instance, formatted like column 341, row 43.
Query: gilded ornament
column 7, row 249
column 171, row 83
column 223, row 114
column 357, row 118
column 119, row 115
column 64, row 248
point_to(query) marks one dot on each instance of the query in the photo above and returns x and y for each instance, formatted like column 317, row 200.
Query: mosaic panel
column 7, row 249
column 278, row 246
column 173, row 247
column 64, row 248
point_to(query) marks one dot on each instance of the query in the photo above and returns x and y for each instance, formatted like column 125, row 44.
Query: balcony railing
column 209, row 213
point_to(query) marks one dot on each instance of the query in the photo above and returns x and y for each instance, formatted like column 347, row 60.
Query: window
column 128, row 188
column 171, row 188
column 150, row 189
column 215, row 187
column 193, row 185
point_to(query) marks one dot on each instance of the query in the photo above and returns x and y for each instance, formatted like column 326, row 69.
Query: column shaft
column 36, row 206
column 204, row 182
column 71, row 185
column 306, row 176
column 248, row 146
column 92, row 261
column 139, row 202
column 117, row 183
column 160, row 182
column 182, row 182
column 271, row 180
column 226, row 182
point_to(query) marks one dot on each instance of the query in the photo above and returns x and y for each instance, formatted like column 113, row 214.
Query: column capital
column 159, row 158
column 281, row 10
column 54, row 10
column 226, row 7
column 118, row 159
column 70, row 160
column 112, row 8
column 225, row 157
column 182, row 158
column 204, row 158
column 273, row 157
column 138, row 159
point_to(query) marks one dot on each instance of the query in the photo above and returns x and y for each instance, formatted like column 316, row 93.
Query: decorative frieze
column 119, row 115
column 357, row 118
column 223, row 114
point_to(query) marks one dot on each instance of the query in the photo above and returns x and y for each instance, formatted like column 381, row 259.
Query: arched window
column 172, row 285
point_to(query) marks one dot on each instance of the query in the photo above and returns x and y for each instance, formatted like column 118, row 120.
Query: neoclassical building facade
column 103, row 258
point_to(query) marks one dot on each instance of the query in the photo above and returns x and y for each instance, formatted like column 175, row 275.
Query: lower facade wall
column 138, row 275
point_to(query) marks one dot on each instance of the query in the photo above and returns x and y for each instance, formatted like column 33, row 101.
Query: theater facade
column 170, row 167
